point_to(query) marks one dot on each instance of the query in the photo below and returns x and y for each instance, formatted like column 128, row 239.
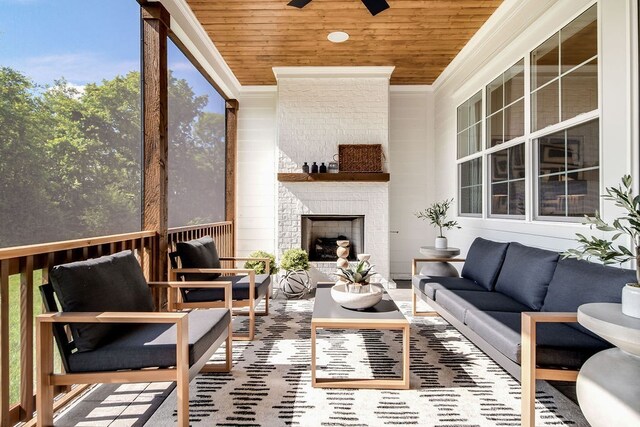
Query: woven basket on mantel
column 360, row 157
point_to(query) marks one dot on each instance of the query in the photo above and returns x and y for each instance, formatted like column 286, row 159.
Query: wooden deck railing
column 20, row 267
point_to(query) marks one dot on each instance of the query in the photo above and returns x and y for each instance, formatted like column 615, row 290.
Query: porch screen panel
column 70, row 143
column 197, row 149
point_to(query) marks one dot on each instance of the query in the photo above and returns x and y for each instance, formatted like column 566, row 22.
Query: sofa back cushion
column 576, row 282
column 109, row 283
column 526, row 273
column 199, row 253
column 483, row 262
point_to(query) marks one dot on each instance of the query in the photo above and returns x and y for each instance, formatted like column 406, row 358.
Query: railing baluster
column 26, row 338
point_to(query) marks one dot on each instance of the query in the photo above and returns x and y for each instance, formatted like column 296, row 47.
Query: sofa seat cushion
column 577, row 282
column 199, row 253
column 558, row 345
column 458, row 302
column 109, row 283
column 428, row 284
column 483, row 262
column 153, row 345
column 526, row 273
column 240, row 289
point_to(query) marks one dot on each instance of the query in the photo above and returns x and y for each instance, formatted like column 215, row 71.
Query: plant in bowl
column 436, row 214
column 607, row 250
column 259, row 266
column 295, row 282
column 355, row 277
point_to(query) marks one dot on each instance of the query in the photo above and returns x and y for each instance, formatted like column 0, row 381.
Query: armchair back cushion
column 109, row 283
column 576, row 282
column 483, row 262
column 526, row 273
column 199, row 253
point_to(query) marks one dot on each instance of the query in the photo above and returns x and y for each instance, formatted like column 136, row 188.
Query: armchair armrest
column 248, row 271
column 416, row 261
column 267, row 261
column 112, row 317
column 174, row 285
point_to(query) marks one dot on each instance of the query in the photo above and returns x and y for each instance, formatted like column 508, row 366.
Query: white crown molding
column 258, row 89
column 511, row 17
column 411, row 88
column 188, row 29
column 333, row 72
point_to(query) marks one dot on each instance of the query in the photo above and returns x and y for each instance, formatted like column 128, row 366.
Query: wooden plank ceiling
column 419, row 37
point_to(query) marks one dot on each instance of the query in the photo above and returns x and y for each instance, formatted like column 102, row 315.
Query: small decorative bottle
column 323, row 168
column 305, row 168
column 314, row 168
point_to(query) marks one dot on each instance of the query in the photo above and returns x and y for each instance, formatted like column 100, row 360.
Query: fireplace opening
column 321, row 232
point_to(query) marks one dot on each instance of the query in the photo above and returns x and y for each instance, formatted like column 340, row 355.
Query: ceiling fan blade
column 299, row 3
column 375, row 6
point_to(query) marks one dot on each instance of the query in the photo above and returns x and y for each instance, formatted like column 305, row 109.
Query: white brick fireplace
column 319, row 108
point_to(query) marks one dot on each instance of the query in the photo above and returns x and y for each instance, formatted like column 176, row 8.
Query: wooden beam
column 231, row 139
column 155, row 27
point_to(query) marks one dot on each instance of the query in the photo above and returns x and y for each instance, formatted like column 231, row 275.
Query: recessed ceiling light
column 338, row 37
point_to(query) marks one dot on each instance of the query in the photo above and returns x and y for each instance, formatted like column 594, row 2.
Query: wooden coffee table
column 385, row 315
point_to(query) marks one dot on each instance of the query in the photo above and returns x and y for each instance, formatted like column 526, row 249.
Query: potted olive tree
column 295, row 281
column 436, row 214
column 606, row 250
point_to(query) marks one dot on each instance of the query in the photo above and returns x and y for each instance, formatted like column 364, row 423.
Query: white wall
column 413, row 181
column 493, row 51
column 255, row 225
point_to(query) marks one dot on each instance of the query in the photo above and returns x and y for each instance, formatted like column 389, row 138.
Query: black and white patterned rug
column 452, row 382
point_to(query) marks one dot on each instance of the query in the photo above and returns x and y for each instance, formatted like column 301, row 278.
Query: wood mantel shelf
column 334, row 177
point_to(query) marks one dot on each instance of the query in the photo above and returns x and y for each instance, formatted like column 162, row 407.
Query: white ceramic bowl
column 356, row 301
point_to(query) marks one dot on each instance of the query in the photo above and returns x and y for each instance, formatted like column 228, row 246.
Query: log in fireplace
column 320, row 233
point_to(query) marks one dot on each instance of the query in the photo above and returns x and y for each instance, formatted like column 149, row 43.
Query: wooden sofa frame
column 175, row 301
column 181, row 373
column 528, row 372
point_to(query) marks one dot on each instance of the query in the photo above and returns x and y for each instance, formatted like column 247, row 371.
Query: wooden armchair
column 177, row 345
column 198, row 260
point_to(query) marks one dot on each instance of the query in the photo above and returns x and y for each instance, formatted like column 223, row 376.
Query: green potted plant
column 295, row 282
column 606, row 250
column 355, row 277
column 436, row 214
column 259, row 266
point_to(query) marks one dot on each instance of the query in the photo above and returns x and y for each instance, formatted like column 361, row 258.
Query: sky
column 84, row 41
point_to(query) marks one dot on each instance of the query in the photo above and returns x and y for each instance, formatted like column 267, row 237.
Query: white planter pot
column 441, row 243
column 631, row 300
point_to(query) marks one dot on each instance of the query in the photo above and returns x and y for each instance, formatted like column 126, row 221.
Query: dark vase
column 323, row 168
column 314, row 168
column 305, row 168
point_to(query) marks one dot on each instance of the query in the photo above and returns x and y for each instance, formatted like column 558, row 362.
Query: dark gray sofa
column 500, row 281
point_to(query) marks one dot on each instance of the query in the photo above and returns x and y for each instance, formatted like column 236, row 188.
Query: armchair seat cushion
column 109, row 283
column 459, row 302
column 153, row 345
column 428, row 285
column 558, row 344
column 240, row 289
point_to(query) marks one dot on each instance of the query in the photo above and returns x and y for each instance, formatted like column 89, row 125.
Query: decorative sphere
column 343, row 252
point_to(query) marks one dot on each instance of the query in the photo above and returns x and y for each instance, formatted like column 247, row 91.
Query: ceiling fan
column 374, row 6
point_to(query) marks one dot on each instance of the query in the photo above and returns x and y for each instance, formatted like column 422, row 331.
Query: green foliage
column 436, row 214
column 259, row 266
column 294, row 259
column 361, row 273
column 70, row 159
column 629, row 224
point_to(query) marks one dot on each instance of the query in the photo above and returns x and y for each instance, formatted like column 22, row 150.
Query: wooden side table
column 608, row 388
column 441, row 268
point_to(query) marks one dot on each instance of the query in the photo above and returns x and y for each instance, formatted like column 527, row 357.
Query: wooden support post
column 231, row 139
column 4, row 343
column 155, row 27
column 528, row 372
